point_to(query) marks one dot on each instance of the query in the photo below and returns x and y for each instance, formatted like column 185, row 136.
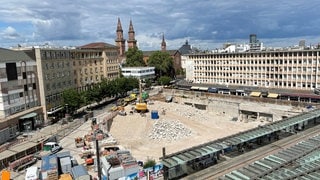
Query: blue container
column 154, row 114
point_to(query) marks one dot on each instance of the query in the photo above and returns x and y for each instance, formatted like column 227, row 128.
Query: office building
column 296, row 69
column 142, row 73
column 60, row 69
column 20, row 109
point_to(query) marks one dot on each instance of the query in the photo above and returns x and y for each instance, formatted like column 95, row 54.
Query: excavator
column 141, row 106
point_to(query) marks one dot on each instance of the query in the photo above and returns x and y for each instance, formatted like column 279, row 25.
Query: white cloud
column 10, row 33
column 207, row 22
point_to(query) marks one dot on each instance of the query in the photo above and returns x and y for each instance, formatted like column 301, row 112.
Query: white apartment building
column 286, row 69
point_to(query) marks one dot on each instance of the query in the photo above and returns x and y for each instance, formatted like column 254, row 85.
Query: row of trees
column 164, row 71
column 97, row 92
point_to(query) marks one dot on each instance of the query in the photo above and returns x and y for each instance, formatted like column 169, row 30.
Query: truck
column 48, row 149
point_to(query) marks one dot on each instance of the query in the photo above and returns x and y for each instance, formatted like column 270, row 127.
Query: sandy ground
column 132, row 131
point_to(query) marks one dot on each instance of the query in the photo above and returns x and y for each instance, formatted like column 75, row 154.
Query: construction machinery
column 130, row 98
column 141, row 105
column 89, row 159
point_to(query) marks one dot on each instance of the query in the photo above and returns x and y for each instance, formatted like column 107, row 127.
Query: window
column 11, row 70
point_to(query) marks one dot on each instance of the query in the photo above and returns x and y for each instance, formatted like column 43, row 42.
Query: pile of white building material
column 169, row 130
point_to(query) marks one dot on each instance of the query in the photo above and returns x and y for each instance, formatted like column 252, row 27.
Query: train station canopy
column 255, row 94
column 273, row 95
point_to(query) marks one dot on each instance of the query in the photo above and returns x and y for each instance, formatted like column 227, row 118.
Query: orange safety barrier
column 5, row 175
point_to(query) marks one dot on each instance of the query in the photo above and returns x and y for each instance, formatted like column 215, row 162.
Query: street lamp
column 66, row 105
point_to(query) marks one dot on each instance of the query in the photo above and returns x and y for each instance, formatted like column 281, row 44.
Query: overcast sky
column 206, row 24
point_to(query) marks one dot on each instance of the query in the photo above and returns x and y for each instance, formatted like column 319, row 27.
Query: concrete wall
column 224, row 107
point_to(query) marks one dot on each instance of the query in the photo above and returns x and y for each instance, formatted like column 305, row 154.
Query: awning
column 273, row 95
column 203, row 88
column 30, row 115
column 255, row 94
column 194, row 88
column 54, row 110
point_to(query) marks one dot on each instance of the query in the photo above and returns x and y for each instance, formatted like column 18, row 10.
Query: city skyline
column 205, row 24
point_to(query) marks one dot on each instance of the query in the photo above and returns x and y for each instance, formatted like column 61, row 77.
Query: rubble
column 169, row 130
column 179, row 126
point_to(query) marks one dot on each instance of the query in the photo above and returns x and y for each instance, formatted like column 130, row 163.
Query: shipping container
column 65, row 164
column 80, row 173
column 49, row 167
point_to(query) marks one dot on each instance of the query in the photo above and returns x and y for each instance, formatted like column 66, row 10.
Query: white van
column 32, row 173
column 52, row 146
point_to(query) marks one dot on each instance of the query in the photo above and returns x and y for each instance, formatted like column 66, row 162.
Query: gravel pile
column 169, row 130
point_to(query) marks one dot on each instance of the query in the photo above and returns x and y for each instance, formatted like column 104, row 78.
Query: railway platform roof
column 305, row 156
column 199, row 151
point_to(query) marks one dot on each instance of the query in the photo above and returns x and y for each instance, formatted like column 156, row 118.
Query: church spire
column 120, row 41
column 163, row 44
column 132, row 42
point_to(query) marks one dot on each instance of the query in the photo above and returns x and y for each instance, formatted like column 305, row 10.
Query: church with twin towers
column 121, row 42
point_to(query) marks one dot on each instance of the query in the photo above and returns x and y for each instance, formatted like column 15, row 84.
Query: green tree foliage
column 95, row 93
column 72, row 98
column 148, row 83
column 149, row 163
column 98, row 92
column 164, row 80
column 134, row 58
column 163, row 63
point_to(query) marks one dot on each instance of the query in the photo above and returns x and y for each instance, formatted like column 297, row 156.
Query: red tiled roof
column 97, row 45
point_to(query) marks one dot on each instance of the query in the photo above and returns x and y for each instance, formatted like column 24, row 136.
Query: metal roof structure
column 301, row 160
column 193, row 153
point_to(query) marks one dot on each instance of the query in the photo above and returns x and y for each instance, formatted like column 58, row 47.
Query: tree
column 72, row 98
column 163, row 63
column 148, row 83
column 149, row 163
column 95, row 93
column 134, row 58
column 164, row 80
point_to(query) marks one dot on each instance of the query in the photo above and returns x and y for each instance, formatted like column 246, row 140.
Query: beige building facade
column 285, row 69
column 60, row 69
column 94, row 62
column 55, row 75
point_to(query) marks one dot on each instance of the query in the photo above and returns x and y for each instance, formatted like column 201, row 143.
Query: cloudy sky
column 206, row 24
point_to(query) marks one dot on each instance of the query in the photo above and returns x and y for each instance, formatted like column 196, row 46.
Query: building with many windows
column 60, row 69
column 142, row 73
column 296, row 69
column 94, row 62
column 55, row 75
column 20, row 108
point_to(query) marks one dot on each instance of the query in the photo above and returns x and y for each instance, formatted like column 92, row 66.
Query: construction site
column 177, row 120
column 161, row 121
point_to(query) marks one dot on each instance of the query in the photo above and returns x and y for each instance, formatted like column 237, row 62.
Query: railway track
column 218, row 170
